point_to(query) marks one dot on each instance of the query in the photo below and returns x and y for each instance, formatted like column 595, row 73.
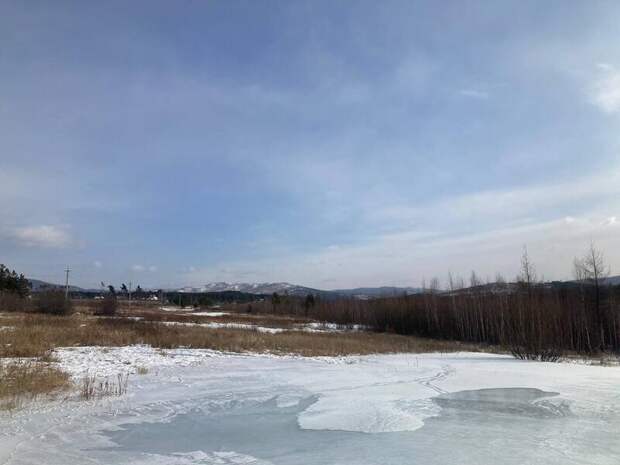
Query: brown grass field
column 27, row 380
column 37, row 335
column 27, row 341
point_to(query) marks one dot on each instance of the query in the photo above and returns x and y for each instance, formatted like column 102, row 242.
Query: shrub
column 12, row 302
column 53, row 302
column 108, row 306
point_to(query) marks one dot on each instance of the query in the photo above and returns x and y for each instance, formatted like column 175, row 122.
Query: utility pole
column 129, row 292
column 67, row 271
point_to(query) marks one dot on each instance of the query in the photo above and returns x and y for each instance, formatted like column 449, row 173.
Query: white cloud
column 97, row 264
column 550, row 218
column 41, row 236
column 605, row 92
column 473, row 93
column 407, row 258
column 142, row 268
column 505, row 205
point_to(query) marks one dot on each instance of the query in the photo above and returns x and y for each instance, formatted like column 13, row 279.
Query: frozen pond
column 384, row 410
column 517, row 424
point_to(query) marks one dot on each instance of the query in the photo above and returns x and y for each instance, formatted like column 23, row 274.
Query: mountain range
column 267, row 288
column 297, row 290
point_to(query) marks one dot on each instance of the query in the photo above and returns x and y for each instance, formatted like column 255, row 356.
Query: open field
column 34, row 337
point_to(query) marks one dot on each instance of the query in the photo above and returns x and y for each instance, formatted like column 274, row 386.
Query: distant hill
column 376, row 292
column 297, row 290
column 263, row 289
column 39, row 286
column 613, row 281
column 255, row 288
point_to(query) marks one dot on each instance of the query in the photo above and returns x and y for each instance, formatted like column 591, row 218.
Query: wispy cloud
column 41, row 236
column 143, row 268
column 373, row 134
column 484, row 231
column 605, row 93
column 407, row 257
column 473, row 93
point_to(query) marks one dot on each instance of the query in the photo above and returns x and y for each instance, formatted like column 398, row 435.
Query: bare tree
column 591, row 270
column 527, row 276
column 591, row 267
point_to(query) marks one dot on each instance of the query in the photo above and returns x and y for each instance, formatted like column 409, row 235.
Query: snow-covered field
column 206, row 407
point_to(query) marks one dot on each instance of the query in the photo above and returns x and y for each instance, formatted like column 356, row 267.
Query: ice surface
column 204, row 407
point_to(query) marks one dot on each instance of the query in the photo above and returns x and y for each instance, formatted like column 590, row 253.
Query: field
column 165, row 385
column 29, row 341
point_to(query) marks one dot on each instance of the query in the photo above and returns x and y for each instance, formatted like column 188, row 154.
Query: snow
column 208, row 407
column 332, row 327
column 111, row 361
column 209, row 313
column 173, row 309
column 216, row 325
column 310, row 327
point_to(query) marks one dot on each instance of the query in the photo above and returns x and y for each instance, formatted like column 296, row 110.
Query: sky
column 328, row 144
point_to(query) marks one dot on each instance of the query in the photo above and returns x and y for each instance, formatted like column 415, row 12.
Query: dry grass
column 26, row 380
column 189, row 316
column 93, row 388
column 36, row 335
column 142, row 370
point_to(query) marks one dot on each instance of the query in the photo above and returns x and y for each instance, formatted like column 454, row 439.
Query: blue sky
column 331, row 144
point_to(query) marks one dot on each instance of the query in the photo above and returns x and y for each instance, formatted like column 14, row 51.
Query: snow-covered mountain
column 254, row 288
column 294, row 289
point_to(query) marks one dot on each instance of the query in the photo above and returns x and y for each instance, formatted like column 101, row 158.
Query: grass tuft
column 27, row 380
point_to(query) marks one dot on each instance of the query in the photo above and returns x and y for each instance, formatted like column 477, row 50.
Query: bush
column 108, row 306
column 12, row 302
column 53, row 302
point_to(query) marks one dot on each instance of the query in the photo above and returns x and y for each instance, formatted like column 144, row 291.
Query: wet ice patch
column 505, row 401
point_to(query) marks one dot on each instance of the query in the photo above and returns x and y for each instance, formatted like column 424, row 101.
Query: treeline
column 532, row 319
column 206, row 299
column 13, row 283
